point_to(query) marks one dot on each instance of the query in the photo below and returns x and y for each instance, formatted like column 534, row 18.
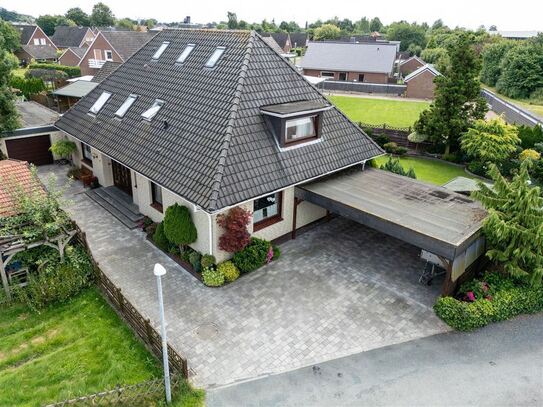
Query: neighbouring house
column 212, row 119
column 282, row 39
column 77, row 37
column 15, row 175
column 107, row 69
column 36, row 53
column 32, row 34
column 32, row 140
column 411, row 65
column 371, row 62
column 299, row 40
column 72, row 56
column 516, row 35
column 115, row 46
column 69, row 95
column 420, row 83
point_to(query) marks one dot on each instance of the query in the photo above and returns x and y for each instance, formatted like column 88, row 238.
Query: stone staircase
column 118, row 203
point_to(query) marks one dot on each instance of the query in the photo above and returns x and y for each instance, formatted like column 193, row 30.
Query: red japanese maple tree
column 235, row 236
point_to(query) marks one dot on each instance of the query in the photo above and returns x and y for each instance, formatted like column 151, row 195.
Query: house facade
column 32, row 34
column 72, row 56
column 411, row 65
column 114, row 46
column 420, row 83
column 191, row 118
column 370, row 62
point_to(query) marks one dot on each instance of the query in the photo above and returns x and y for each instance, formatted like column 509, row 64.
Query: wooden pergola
column 13, row 244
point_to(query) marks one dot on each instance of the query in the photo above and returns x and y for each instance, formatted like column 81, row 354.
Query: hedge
column 71, row 71
column 505, row 304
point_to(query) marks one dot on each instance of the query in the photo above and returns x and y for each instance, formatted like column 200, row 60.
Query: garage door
column 35, row 150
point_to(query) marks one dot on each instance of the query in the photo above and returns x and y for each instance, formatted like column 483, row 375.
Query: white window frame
column 36, row 41
column 327, row 74
column 110, row 52
column 123, row 109
column 86, row 149
column 43, row 41
column 215, row 57
column 298, row 122
column 268, row 212
column 185, row 54
column 99, row 103
column 150, row 113
column 160, row 50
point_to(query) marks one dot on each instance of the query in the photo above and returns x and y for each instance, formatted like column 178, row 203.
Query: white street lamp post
column 159, row 271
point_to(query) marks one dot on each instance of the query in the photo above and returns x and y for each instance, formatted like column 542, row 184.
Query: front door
column 122, row 177
column 343, row 76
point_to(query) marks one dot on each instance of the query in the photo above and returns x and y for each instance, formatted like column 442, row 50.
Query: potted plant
column 63, row 148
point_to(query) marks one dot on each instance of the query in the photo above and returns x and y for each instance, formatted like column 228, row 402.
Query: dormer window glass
column 153, row 110
column 185, row 54
column 100, row 102
column 161, row 50
column 214, row 58
column 125, row 106
column 301, row 128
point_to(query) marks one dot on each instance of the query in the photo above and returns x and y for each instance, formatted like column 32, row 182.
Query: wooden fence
column 141, row 394
column 397, row 135
column 139, row 324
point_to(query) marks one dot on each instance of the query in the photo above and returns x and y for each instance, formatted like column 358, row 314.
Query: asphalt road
column 500, row 365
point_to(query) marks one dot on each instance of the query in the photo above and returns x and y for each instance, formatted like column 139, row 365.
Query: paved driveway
column 337, row 290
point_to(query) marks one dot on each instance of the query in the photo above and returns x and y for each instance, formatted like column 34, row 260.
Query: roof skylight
column 161, row 49
column 100, row 102
column 214, row 58
column 185, row 54
column 125, row 106
column 153, row 110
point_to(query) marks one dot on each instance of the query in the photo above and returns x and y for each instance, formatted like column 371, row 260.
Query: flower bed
column 493, row 298
column 255, row 254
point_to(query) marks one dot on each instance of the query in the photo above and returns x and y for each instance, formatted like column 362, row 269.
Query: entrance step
column 118, row 203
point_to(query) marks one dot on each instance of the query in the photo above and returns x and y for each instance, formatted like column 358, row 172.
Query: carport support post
column 294, row 216
column 448, row 284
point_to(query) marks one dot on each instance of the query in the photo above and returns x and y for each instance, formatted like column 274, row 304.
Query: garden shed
column 437, row 220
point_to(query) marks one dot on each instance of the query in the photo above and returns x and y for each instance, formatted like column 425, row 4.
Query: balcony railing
column 96, row 63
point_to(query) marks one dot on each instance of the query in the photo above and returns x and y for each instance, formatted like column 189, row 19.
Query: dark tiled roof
column 271, row 42
column 65, row 36
column 26, row 31
column 126, row 43
column 216, row 150
column 40, row 51
column 298, row 39
column 280, row 38
column 79, row 51
column 107, row 69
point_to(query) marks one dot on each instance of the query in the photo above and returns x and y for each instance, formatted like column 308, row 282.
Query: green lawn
column 71, row 350
column 428, row 170
column 397, row 113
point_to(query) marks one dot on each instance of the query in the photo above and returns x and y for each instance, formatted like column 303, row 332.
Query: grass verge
column 72, row 350
column 397, row 113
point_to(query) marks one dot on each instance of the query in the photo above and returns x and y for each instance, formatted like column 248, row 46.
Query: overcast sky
column 520, row 15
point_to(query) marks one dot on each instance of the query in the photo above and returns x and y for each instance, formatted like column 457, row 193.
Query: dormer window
column 161, row 50
column 302, row 128
column 100, row 102
column 295, row 122
column 153, row 110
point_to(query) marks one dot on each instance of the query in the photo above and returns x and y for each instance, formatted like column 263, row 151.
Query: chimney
column 187, row 20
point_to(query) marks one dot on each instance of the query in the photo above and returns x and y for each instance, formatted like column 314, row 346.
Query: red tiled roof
column 15, row 176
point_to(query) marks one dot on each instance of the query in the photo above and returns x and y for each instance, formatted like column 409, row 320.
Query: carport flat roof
column 430, row 217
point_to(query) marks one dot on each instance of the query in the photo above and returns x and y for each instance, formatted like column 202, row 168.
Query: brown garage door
column 35, row 150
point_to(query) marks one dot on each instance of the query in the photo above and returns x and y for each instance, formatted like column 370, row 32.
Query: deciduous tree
column 102, row 16
column 327, row 32
column 78, row 16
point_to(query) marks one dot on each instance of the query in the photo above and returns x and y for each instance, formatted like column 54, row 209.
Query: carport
column 444, row 223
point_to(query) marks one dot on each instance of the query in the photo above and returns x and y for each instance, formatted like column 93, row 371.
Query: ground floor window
column 87, row 154
column 360, row 77
column 267, row 210
column 343, row 76
column 156, row 196
column 326, row 74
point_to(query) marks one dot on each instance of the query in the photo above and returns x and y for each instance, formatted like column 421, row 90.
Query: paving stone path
column 337, row 289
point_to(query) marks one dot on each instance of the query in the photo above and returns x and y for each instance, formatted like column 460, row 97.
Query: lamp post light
column 159, row 271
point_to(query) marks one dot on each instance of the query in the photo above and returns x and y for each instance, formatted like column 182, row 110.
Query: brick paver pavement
column 338, row 289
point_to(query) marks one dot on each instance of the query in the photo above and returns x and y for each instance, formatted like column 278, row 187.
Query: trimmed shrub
column 27, row 86
column 234, row 223
column 212, row 277
column 178, row 225
column 71, row 71
column 390, row 147
column 194, row 259
column 207, row 261
column 503, row 298
column 159, row 237
column 276, row 253
column 228, row 270
column 382, row 140
column 253, row 256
